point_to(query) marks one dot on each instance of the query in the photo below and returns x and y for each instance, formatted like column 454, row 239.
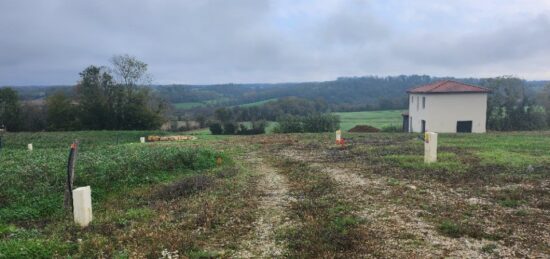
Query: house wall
column 442, row 111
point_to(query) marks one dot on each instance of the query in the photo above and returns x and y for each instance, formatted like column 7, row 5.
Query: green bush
column 289, row 124
column 321, row 123
column 216, row 128
column 229, row 128
column 311, row 123
column 450, row 228
column 258, row 127
column 232, row 128
column 510, row 203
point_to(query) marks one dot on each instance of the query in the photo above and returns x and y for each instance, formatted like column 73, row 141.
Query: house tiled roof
column 448, row 86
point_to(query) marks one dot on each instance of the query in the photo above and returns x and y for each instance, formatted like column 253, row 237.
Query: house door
column 423, row 126
column 464, row 126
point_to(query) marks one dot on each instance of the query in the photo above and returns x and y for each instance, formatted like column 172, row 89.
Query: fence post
column 68, row 203
column 430, row 147
column 82, row 206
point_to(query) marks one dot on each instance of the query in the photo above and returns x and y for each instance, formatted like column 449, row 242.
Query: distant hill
column 342, row 94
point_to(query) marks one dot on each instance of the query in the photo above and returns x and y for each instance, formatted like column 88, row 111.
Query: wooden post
column 430, row 147
column 29, row 147
column 68, row 201
column 82, row 204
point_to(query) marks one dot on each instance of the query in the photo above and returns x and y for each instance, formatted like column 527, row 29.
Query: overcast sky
column 242, row 41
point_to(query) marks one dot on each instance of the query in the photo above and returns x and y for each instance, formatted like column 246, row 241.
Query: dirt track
column 272, row 218
column 395, row 208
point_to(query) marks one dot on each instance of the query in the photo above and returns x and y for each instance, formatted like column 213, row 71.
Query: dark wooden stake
column 68, row 201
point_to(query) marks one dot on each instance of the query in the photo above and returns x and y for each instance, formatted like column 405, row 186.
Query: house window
column 423, row 102
column 417, row 103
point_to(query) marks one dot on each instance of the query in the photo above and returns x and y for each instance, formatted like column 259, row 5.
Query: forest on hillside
column 342, row 94
column 515, row 104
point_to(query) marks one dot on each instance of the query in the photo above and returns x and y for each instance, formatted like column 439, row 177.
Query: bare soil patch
column 364, row 128
column 486, row 211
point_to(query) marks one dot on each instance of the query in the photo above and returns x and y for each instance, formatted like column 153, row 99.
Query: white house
column 446, row 107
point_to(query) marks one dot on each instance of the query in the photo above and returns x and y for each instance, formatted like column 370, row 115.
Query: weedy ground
column 297, row 195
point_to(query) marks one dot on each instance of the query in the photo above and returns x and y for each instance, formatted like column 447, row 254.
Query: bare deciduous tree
column 130, row 71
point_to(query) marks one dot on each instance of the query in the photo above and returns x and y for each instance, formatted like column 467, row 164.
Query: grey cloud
column 353, row 26
column 484, row 47
column 217, row 41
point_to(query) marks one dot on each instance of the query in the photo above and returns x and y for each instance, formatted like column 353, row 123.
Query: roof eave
column 454, row 92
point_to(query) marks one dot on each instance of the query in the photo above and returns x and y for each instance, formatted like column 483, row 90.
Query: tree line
column 512, row 105
column 117, row 98
column 105, row 98
column 344, row 94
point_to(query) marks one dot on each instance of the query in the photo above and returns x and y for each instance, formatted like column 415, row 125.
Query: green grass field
column 377, row 119
column 348, row 120
column 188, row 105
column 259, row 103
column 487, row 196
column 112, row 163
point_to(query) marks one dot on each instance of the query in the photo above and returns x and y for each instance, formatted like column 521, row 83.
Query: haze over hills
column 344, row 93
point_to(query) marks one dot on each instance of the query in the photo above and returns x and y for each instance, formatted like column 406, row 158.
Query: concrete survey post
column 338, row 136
column 29, row 147
column 82, row 204
column 142, row 140
column 430, row 147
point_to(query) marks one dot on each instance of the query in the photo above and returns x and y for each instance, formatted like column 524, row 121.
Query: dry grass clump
column 329, row 224
column 185, row 187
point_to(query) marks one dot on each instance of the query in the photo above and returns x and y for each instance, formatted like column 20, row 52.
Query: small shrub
column 510, row 203
column 195, row 159
column 310, row 123
column 488, row 248
column 216, row 128
column 321, row 123
column 289, row 124
column 229, row 128
column 258, row 127
column 393, row 182
column 227, row 172
column 450, row 228
column 521, row 213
